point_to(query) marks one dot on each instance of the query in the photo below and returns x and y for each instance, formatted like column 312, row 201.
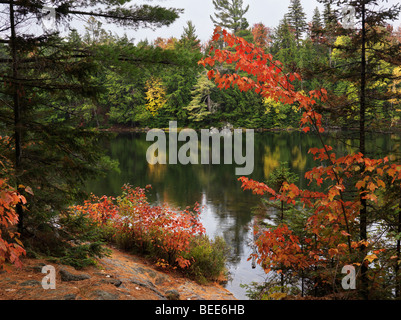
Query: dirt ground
column 120, row 276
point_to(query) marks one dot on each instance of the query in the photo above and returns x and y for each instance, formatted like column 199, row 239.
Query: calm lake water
column 227, row 209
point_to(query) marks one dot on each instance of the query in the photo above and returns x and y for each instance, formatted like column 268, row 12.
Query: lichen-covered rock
column 172, row 295
column 68, row 276
column 116, row 277
column 30, row 283
column 103, row 295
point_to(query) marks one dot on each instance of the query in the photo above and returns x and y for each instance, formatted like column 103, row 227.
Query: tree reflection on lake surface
column 228, row 211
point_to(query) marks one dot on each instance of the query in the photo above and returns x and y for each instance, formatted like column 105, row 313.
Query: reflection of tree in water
column 233, row 214
column 273, row 148
column 182, row 186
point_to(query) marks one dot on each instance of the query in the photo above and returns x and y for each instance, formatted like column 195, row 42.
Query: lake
column 227, row 209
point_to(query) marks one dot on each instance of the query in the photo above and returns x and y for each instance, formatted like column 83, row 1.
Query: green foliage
column 124, row 99
column 50, row 99
column 280, row 175
column 316, row 28
column 81, row 256
column 201, row 105
column 190, row 98
column 189, row 40
column 284, row 46
column 56, row 89
column 74, row 240
column 266, row 291
column 230, row 14
column 296, row 19
column 112, row 78
column 208, row 258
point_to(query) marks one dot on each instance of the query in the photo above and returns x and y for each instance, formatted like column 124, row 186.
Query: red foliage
column 168, row 230
column 261, row 35
column 328, row 228
column 11, row 247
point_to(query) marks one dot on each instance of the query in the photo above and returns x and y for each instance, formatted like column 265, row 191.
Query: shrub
column 11, row 247
column 174, row 238
column 77, row 241
column 208, row 258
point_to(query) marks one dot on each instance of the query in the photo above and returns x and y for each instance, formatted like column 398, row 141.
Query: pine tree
column 44, row 75
column 366, row 84
column 94, row 33
column 201, row 104
column 296, row 19
column 230, row 14
column 189, row 39
column 329, row 17
column 284, row 45
column 316, row 26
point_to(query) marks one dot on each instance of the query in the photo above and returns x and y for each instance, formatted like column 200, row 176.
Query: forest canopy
column 62, row 93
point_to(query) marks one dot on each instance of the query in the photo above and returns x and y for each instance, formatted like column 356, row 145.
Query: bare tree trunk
column 397, row 266
column 362, row 149
column 17, row 110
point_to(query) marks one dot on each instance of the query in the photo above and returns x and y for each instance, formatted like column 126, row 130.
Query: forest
column 62, row 94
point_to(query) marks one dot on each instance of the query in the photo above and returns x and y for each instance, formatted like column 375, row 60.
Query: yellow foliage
column 271, row 160
column 276, row 106
column 299, row 159
column 155, row 95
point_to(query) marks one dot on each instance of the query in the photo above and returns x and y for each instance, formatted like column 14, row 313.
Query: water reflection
column 227, row 209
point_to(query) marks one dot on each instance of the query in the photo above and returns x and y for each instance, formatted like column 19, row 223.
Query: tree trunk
column 17, row 111
column 362, row 149
column 397, row 266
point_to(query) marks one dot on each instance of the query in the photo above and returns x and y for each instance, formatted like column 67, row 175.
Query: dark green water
column 227, row 209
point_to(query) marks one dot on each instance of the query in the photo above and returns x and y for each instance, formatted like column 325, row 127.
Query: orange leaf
column 360, row 184
column 346, row 234
column 371, row 257
column 29, row 190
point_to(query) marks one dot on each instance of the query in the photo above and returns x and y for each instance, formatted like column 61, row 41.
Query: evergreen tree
column 189, row 39
column 284, row 45
column 201, row 104
column 42, row 75
column 296, row 19
column 316, row 19
column 316, row 26
column 366, row 85
column 230, row 14
column 329, row 17
column 94, row 33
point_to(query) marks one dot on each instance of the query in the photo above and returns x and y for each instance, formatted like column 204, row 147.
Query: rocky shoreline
column 120, row 276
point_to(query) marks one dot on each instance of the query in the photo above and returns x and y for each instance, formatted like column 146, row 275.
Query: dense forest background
column 159, row 81
column 58, row 91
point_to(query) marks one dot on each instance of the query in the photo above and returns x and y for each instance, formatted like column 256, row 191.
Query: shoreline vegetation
column 128, row 129
column 172, row 239
column 60, row 91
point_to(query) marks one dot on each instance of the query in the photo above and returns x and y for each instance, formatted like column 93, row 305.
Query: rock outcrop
column 118, row 277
